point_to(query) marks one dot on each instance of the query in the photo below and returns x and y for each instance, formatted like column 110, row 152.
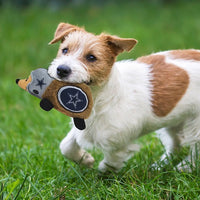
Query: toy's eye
column 91, row 58
column 65, row 50
column 35, row 91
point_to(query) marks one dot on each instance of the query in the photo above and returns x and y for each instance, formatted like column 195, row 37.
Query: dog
column 157, row 92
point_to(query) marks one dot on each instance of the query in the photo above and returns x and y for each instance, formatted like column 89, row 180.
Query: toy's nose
column 17, row 80
column 63, row 71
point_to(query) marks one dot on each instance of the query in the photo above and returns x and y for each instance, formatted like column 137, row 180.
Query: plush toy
column 72, row 99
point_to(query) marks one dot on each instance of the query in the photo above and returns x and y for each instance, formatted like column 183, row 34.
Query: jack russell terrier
column 131, row 97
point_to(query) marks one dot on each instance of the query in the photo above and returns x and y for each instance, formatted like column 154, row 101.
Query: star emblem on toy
column 74, row 100
column 40, row 83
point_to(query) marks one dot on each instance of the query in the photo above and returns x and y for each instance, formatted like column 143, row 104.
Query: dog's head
column 85, row 57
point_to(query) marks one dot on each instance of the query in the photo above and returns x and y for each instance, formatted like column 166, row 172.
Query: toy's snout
column 23, row 83
column 17, row 80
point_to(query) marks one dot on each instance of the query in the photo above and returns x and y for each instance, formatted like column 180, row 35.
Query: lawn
column 31, row 165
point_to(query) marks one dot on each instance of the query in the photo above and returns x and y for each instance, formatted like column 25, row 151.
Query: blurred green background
column 31, row 166
column 27, row 27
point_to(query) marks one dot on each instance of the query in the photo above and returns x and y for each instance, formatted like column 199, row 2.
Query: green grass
column 31, row 165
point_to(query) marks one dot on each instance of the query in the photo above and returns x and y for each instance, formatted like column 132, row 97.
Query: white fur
column 79, row 70
column 122, row 112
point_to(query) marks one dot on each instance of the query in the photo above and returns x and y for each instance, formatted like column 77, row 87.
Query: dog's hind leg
column 71, row 150
column 191, row 138
column 191, row 160
column 170, row 139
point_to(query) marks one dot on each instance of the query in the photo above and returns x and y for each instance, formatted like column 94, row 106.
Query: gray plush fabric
column 40, row 81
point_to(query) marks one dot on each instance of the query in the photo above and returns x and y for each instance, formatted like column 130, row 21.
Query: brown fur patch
column 63, row 30
column 185, row 54
column 117, row 44
column 169, row 84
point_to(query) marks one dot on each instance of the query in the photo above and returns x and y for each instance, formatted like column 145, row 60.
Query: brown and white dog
column 131, row 98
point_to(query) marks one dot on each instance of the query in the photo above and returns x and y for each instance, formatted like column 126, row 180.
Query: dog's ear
column 63, row 30
column 118, row 45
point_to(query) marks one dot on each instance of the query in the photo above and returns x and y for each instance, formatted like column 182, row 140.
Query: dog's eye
column 65, row 50
column 91, row 58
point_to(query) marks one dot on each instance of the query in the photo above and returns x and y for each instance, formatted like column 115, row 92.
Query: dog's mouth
column 71, row 79
column 87, row 82
column 90, row 82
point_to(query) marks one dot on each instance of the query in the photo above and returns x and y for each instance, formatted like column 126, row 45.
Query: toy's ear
column 117, row 44
column 63, row 30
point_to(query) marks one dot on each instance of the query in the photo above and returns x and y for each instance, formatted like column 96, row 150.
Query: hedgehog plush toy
column 72, row 99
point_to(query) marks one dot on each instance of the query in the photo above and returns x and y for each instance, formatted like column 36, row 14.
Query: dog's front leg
column 115, row 160
column 71, row 150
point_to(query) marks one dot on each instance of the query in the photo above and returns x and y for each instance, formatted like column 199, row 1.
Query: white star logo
column 74, row 100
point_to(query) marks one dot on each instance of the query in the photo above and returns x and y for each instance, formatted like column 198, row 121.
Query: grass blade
column 21, row 187
column 1, row 192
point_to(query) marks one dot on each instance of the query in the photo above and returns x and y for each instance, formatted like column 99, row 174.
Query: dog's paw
column 160, row 164
column 86, row 160
column 105, row 167
column 156, row 166
column 185, row 166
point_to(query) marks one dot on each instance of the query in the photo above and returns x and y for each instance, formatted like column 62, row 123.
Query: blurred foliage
column 25, row 33
column 57, row 4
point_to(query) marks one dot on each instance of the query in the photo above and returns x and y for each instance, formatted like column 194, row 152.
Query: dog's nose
column 63, row 71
